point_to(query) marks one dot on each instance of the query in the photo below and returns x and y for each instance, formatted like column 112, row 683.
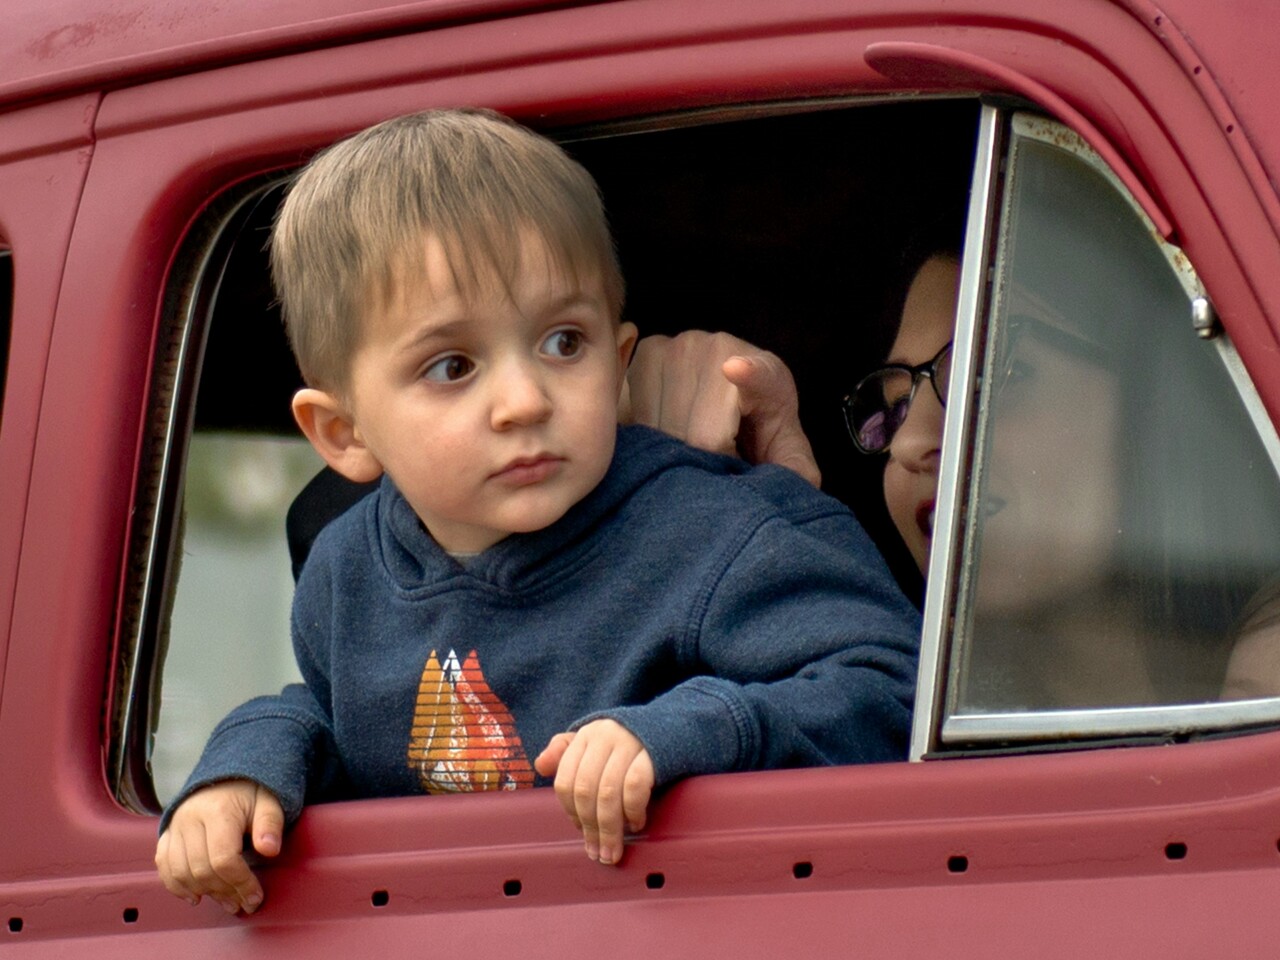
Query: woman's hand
column 719, row 393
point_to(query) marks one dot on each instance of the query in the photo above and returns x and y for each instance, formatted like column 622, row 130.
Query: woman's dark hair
column 940, row 235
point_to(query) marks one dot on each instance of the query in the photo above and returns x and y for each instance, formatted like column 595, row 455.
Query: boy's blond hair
column 350, row 232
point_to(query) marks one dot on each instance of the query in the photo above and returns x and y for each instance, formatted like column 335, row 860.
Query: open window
column 1113, row 508
column 785, row 225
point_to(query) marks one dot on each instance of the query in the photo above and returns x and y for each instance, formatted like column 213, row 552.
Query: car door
column 765, row 165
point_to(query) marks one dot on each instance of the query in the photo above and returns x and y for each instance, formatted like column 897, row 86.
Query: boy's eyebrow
column 573, row 299
column 458, row 325
column 429, row 331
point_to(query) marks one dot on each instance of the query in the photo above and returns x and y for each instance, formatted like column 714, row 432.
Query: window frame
column 156, row 540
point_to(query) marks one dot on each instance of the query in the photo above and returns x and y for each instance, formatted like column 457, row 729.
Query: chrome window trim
column 1171, row 719
column 1249, row 396
column 939, row 602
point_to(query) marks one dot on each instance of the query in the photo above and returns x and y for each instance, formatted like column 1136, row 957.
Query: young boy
column 527, row 575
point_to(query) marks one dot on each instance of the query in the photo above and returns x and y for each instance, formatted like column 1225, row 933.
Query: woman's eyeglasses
column 879, row 404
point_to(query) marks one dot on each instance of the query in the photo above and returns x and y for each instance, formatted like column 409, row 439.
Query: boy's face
column 494, row 413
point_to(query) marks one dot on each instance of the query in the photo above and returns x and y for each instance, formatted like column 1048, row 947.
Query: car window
column 782, row 226
column 1123, row 515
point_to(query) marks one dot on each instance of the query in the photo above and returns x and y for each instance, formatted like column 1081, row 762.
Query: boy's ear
column 331, row 430
column 627, row 336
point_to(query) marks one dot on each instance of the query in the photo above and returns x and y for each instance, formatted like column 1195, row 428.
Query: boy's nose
column 520, row 397
column 918, row 443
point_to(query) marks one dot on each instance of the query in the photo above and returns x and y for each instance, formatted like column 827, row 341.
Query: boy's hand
column 719, row 393
column 604, row 778
column 200, row 854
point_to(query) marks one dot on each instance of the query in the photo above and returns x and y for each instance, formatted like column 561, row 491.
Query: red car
column 1093, row 768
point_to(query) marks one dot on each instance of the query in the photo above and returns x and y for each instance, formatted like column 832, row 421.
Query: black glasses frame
column 927, row 370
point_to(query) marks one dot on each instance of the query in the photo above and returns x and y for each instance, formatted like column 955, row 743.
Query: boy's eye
column 450, row 368
column 563, row 344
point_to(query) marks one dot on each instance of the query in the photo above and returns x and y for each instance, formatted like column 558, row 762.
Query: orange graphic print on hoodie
column 464, row 738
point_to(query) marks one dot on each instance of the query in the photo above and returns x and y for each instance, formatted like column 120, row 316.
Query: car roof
column 50, row 47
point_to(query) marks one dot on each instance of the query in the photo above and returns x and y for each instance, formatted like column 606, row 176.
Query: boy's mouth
column 524, row 471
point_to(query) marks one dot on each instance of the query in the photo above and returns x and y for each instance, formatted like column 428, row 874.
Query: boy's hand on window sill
column 202, row 852
column 603, row 778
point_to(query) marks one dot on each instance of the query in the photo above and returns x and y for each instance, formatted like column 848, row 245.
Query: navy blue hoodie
column 731, row 617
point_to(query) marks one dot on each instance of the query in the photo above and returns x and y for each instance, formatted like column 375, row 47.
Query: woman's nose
column 917, row 445
column 520, row 397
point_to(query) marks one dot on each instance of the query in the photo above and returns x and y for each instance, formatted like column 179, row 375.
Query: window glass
column 1124, row 510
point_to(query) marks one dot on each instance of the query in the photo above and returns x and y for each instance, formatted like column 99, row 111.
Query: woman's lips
column 924, row 518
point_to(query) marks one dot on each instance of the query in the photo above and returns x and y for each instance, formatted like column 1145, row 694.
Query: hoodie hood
column 521, row 561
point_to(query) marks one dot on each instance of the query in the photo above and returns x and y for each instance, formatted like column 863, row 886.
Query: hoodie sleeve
column 282, row 742
column 806, row 652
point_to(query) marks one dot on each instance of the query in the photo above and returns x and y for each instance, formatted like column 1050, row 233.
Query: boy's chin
column 477, row 541
column 535, row 522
